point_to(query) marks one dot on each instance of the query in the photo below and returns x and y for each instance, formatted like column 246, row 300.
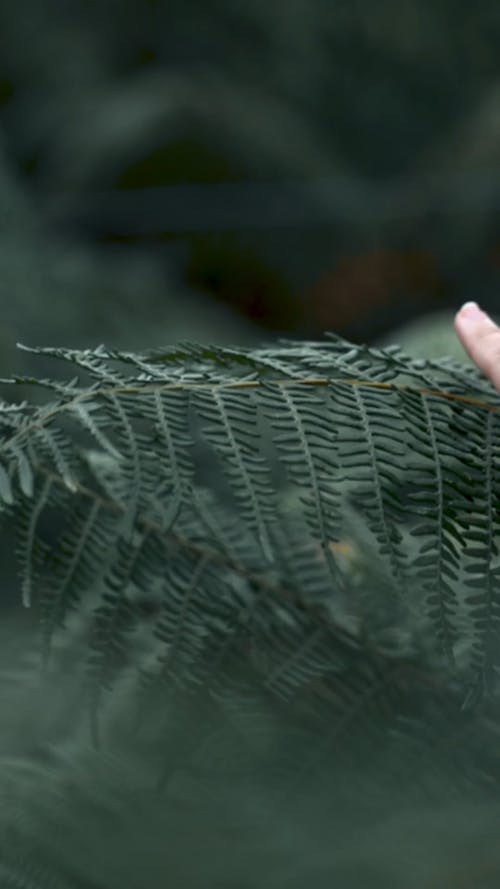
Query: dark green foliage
column 273, row 574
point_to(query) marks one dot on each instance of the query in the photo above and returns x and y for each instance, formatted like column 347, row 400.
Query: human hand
column 480, row 337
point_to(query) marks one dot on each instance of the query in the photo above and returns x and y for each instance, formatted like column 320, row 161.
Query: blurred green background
column 233, row 171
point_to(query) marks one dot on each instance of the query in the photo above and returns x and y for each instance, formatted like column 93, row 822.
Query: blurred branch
column 226, row 206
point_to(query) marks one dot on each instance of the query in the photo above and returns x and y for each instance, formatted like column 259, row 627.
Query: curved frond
column 198, row 501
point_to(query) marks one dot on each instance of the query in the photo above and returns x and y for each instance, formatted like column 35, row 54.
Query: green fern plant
column 273, row 568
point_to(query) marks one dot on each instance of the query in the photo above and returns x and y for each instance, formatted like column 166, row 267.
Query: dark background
column 228, row 170
column 235, row 171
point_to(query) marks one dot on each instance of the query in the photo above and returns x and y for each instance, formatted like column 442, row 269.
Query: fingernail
column 471, row 310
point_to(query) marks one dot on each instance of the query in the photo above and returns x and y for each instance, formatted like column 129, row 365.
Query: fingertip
column 471, row 311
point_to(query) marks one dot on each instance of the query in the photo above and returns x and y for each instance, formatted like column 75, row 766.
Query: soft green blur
column 341, row 162
column 231, row 172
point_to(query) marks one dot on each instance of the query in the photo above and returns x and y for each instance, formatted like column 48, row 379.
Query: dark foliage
column 265, row 590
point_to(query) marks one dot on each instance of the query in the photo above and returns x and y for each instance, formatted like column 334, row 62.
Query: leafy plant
column 273, row 573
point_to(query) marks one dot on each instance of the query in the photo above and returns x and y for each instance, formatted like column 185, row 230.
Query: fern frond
column 234, row 435
column 248, row 463
column 372, row 452
column 481, row 533
column 31, row 547
column 305, row 439
column 75, row 563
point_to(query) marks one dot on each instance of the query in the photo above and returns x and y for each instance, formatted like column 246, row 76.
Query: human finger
column 480, row 337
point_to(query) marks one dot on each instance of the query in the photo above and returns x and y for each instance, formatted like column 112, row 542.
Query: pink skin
column 480, row 337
